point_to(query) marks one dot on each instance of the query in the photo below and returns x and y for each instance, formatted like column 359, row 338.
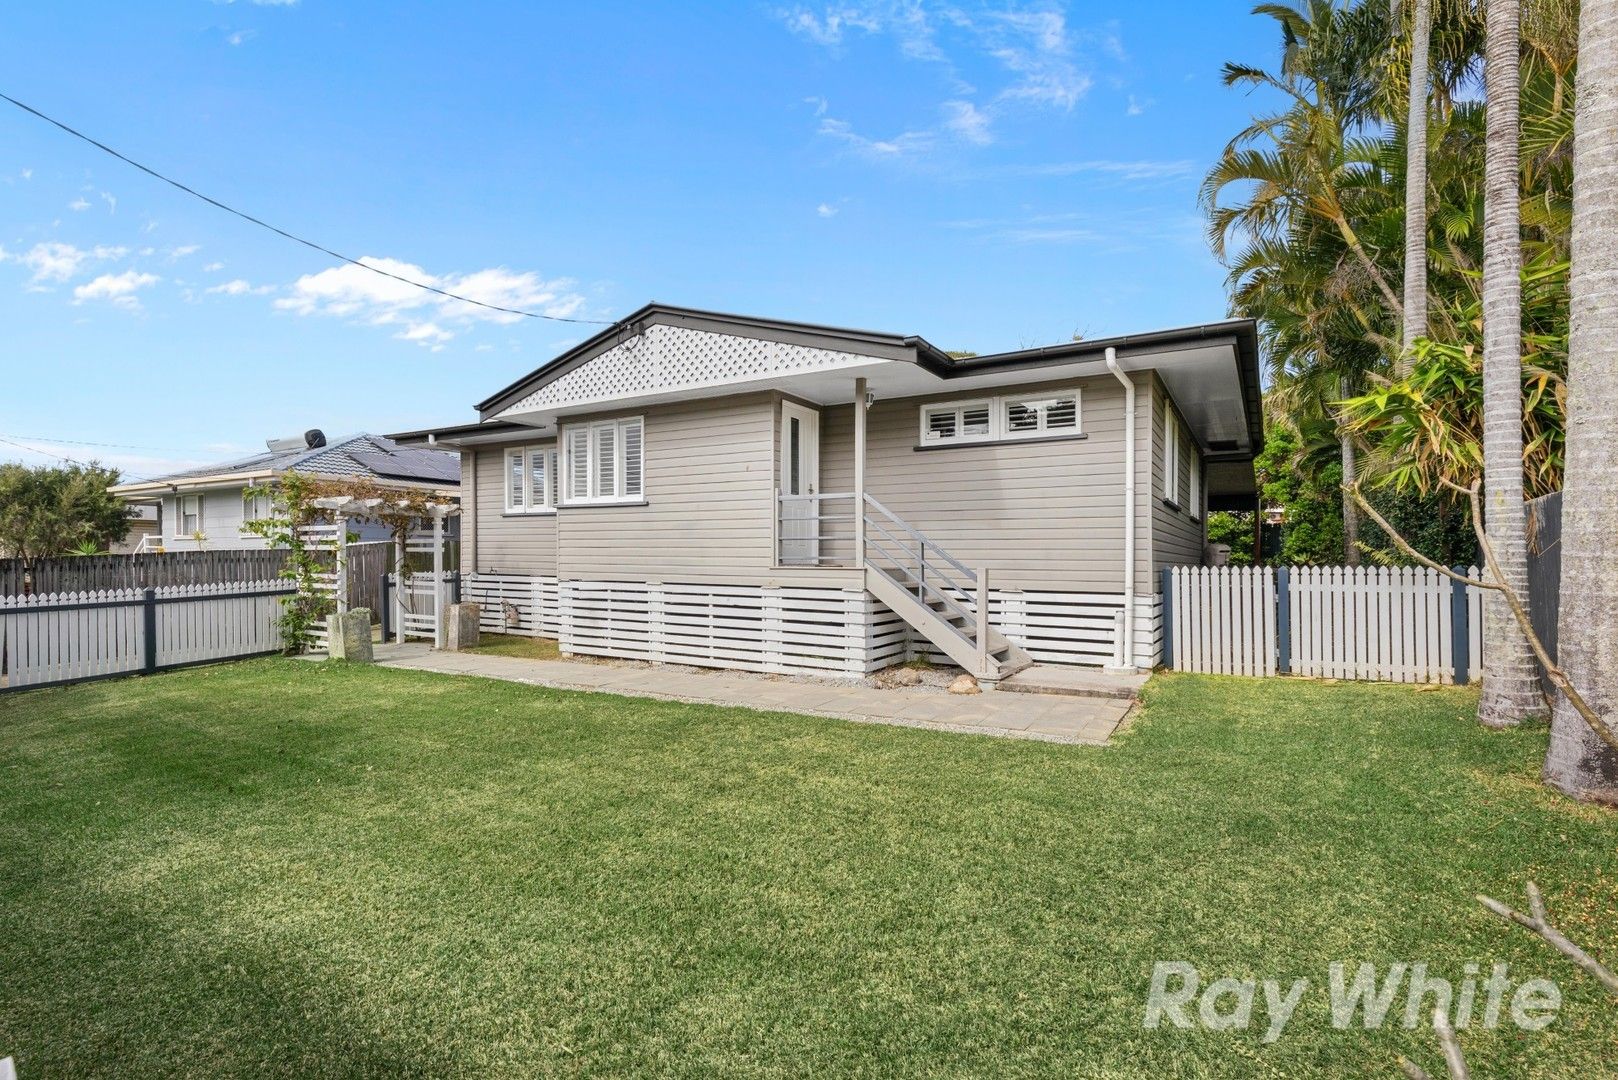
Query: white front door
column 800, row 485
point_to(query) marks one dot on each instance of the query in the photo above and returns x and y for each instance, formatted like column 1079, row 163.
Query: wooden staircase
column 937, row 595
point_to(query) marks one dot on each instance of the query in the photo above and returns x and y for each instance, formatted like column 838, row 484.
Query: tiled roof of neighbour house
column 355, row 455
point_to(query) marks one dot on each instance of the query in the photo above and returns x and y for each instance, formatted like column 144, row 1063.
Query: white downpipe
column 1128, row 645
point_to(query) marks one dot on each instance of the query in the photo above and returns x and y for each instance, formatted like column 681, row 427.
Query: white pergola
column 345, row 508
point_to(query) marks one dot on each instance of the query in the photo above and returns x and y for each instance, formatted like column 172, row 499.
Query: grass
column 282, row 867
column 523, row 648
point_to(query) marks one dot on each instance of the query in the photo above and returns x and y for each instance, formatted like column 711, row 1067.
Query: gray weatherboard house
column 212, row 501
column 703, row 488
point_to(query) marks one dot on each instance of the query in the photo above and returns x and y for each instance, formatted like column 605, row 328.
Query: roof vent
column 314, row 438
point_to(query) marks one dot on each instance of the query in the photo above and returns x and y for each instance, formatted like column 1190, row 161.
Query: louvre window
column 1171, row 456
column 530, row 480
column 1001, row 418
column 606, row 461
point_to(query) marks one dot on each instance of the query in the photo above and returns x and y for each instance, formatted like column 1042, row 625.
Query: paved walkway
column 1018, row 716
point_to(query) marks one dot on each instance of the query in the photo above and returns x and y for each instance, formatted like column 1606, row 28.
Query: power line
column 292, row 236
column 86, row 442
column 74, row 461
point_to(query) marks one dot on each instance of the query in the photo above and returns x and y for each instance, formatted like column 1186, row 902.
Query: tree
column 1578, row 762
column 1511, row 691
column 50, row 510
column 1414, row 316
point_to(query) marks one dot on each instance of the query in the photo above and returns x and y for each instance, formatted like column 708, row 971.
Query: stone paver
column 1086, row 720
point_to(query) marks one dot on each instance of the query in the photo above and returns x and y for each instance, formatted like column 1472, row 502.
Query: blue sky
column 988, row 176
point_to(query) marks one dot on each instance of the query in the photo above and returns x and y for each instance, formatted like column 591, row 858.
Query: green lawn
column 283, row 867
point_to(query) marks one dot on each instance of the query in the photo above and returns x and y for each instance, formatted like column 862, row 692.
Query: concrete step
column 1072, row 682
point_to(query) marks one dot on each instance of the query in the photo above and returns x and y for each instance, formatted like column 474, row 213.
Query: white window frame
column 999, row 431
column 179, row 516
column 1171, row 457
column 958, row 408
column 528, row 455
column 1004, row 403
column 252, row 505
column 1194, row 495
column 592, row 496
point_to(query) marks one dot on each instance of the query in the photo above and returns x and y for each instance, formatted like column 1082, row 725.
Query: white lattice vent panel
column 668, row 358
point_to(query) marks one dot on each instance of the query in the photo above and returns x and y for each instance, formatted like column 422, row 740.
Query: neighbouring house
column 206, row 508
column 142, row 524
column 703, row 488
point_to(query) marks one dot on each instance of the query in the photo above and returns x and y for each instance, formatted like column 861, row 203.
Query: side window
column 530, row 479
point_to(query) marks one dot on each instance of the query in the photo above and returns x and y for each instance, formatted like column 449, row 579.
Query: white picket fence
column 53, row 638
column 1223, row 620
column 1396, row 624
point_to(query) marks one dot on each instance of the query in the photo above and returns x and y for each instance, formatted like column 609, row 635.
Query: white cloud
column 183, row 250
column 111, row 201
column 1136, row 106
column 353, row 292
column 237, row 37
column 79, row 204
column 27, row 174
column 56, row 261
column 427, row 333
column 906, row 143
column 968, row 122
column 1034, row 46
column 213, row 268
column 828, row 28
column 239, row 287
column 819, row 104
column 826, row 210
column 120, row 289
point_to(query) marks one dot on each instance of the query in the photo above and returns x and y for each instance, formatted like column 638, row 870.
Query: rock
column 965, row 684
column 895, row 677
column 351, row 636
column 461, row 630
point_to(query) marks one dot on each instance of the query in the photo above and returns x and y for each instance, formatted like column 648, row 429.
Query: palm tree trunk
column 1511, row 691
column 1577, row 762
column 1351, row 511
column 1415, row 299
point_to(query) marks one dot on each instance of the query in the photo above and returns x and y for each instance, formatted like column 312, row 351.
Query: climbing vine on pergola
column 297, row 501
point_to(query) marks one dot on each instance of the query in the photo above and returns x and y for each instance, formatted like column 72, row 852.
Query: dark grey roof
column 355, row 455
column 1243, row 333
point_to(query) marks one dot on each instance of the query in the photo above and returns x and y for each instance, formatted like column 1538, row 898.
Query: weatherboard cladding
column 665, row 358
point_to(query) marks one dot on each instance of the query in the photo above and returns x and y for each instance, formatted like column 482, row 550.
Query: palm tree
column 1578, row 762
column 1414, row 320
column 1305, row 176
column 1511, row 675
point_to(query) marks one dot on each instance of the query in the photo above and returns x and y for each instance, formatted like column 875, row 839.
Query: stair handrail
column 921, row 538
column 923, row 584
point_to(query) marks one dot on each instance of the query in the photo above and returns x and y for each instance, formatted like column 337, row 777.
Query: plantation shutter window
column 514, row 480
column 634, row 457
column 1053, row 415
column 1171, row 457
column 578, row 464
column 530, row 480
column 965, row 421
column 606, row 461
column 1194, row 496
